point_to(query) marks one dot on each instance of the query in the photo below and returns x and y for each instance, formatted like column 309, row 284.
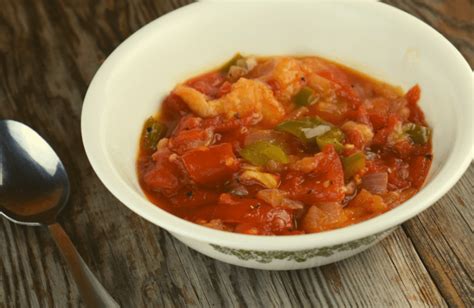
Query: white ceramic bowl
column 369, row 36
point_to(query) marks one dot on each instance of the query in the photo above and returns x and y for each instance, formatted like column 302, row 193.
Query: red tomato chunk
column 324, row 184
column 211, row 165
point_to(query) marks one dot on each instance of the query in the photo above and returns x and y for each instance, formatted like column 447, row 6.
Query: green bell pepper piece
column 298, row 127
column 153, row 131
column 417, row 133
column 314, row 129
column 353, row 164
column 261, row 152
column 233, row 61
column 304, row 97
column 335, row 136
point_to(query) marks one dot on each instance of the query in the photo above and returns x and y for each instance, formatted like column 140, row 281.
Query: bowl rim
column 92, row 135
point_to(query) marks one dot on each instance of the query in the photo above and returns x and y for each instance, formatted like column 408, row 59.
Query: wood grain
column 443, row 239
column 49, row 51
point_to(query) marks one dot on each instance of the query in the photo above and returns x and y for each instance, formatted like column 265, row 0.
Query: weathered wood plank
column 49, row 51
column 148, row 267
column 443, row 236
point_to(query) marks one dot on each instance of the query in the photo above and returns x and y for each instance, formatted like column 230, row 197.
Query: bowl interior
column 371, row 37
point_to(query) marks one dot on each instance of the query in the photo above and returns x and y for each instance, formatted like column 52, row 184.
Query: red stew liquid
column 284, row 145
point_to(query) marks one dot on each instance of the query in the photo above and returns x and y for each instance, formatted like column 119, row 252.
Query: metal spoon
column 34, row 188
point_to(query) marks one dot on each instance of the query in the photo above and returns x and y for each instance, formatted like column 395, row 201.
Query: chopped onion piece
column 278, row 198
column 375, row 183
column 315, row 131
column 251, row 62
column 267, row 180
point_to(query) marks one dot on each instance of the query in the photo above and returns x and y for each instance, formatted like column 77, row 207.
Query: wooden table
column 49, row 52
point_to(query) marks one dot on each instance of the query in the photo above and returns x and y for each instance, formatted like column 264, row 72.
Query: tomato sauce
column 284, row 145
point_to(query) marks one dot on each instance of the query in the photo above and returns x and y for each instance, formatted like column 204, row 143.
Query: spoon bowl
column 34, row 188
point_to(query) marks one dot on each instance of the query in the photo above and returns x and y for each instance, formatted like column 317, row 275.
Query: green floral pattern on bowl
column 299, row 255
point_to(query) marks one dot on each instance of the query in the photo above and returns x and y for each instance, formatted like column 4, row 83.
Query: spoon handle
column 92, row 291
